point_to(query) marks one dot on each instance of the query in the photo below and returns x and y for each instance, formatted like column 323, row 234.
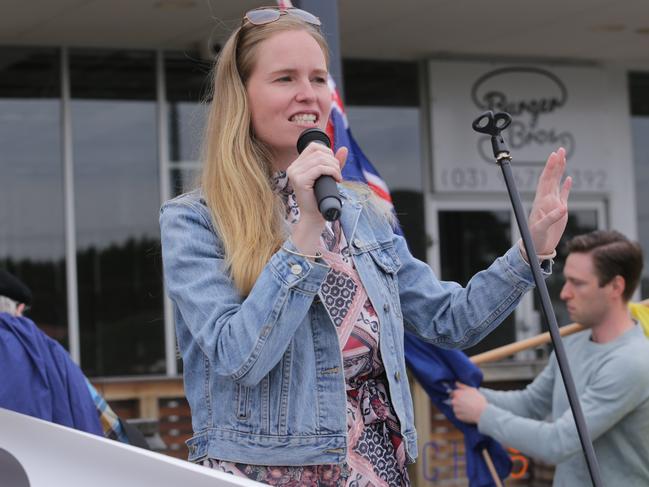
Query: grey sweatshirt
column 612, row 381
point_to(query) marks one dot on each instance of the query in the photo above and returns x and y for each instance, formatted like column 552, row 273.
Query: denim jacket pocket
column 386, row 258
column 387, row 264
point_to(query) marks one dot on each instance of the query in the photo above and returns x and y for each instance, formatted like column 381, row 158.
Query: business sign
column 551, row 107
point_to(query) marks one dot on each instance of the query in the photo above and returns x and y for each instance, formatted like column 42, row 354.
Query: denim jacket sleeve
column 451, row 316
column 242, row 338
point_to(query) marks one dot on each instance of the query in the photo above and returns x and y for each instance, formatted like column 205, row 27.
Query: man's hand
column 468, row 403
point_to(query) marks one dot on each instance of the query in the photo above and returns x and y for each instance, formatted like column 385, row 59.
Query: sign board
column 551, row 107
column 36, row 453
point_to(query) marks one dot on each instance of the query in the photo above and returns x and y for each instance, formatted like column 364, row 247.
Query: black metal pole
column 493, row 124
column 551, row 320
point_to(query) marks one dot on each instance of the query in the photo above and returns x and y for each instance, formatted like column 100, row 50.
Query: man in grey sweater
column 610, row 365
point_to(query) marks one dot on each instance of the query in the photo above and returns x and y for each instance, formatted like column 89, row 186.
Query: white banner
column 551, row 107
column 35, row 453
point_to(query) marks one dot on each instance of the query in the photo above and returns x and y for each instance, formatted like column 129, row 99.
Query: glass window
column 113, row 111
column 469, row 242
column 383, row 110
column 389, row 137
column 639, row 94
column 187, row 81
column 32, row 240
column 382, row 83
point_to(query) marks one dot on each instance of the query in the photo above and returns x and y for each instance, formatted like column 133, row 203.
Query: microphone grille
column 312, row 135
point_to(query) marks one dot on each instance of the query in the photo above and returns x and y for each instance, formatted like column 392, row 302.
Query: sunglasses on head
column 266, row 15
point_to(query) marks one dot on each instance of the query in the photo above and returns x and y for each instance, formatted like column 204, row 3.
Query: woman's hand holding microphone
column 316, row 160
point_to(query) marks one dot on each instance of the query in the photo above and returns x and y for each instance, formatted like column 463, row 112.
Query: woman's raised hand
column 549, row 213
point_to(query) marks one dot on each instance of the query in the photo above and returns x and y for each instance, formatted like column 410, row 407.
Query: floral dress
column 376, row 452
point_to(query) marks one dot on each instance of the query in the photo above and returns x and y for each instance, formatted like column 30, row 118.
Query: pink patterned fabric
column 376, row 454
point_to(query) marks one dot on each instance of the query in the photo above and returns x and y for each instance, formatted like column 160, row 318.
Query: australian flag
column 436, row 369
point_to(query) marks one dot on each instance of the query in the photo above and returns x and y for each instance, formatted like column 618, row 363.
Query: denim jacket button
column 386, row 307
column 357, row 243
column 397, row 376
column 296, row 269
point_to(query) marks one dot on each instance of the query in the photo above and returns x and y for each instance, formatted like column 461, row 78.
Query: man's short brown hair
column 613, row 255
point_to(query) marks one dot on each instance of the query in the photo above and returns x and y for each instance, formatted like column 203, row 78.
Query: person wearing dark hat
column 12, row 289
column 37, row 375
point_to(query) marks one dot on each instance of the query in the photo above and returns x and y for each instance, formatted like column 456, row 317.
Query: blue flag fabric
column 40, row 379
column 435, row 368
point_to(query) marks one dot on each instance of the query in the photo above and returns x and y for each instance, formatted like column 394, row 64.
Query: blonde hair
column 247, row 214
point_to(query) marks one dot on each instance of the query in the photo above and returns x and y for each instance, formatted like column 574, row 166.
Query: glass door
column 467, row 239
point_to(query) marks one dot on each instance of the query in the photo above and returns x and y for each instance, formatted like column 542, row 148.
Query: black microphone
column 326, row 191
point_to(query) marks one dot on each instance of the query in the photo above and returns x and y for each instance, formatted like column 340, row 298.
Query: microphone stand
column 492, row 124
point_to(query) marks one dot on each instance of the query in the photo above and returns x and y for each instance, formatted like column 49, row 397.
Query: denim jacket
column 264, row 375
